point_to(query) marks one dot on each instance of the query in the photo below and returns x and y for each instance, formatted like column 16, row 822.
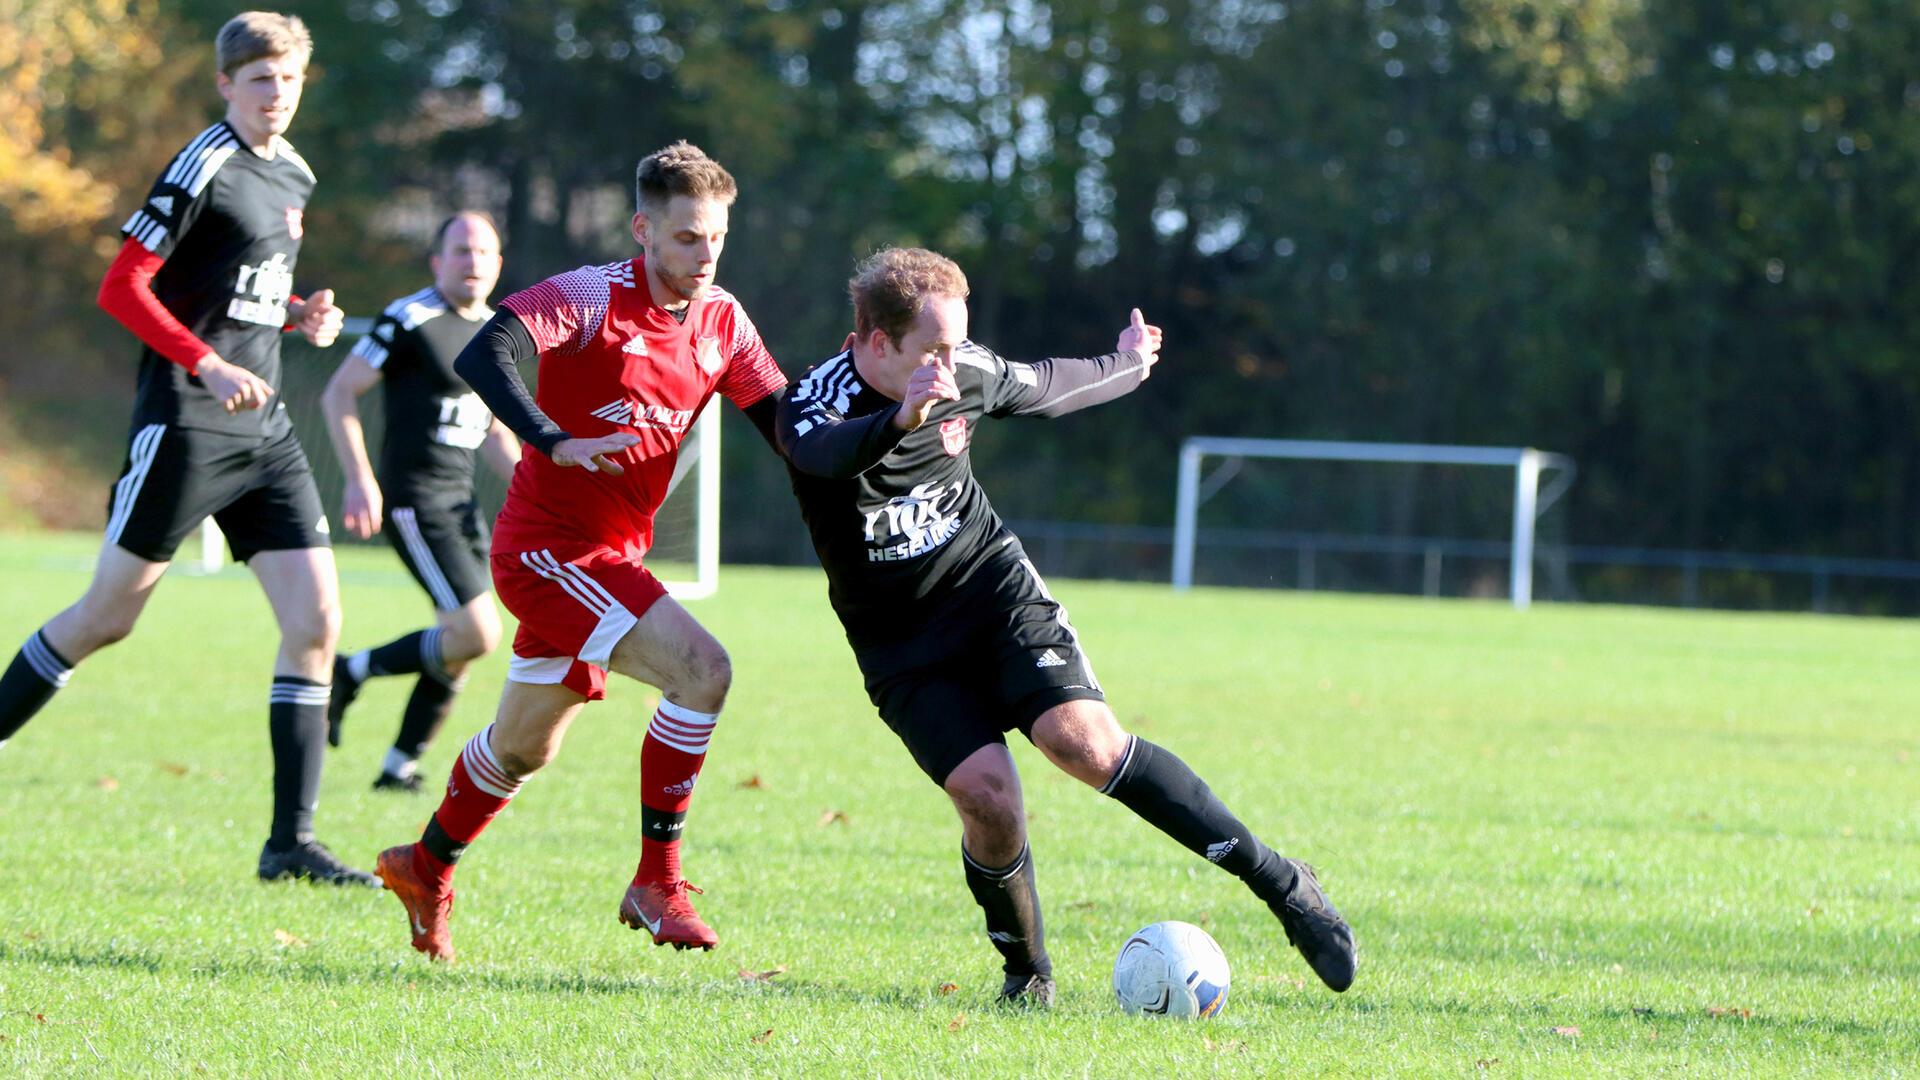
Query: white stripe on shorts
column 430, row 572
column 140, row 455
column 614, row 620
column 1086, row 665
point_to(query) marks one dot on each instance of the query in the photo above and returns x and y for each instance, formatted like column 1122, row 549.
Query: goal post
column 1528, row 464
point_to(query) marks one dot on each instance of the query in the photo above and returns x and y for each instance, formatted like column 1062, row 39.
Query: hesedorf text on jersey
column 914, row 523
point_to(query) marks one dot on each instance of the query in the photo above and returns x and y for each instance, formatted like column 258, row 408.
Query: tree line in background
column 1676, row 241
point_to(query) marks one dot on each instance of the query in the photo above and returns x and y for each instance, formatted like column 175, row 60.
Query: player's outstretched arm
column 361, row 503
column 1060, row 385
column 491, row 365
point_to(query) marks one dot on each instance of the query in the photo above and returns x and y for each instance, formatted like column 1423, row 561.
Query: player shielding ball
column 205, row 281
column 956, row 634
column 629, row 355
column 422, row 499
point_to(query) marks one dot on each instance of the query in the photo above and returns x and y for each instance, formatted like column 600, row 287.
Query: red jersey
column 611, row 360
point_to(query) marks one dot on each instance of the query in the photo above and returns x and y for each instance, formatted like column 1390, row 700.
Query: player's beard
column 683, row 285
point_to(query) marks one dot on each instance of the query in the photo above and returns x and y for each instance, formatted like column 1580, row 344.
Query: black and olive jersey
column 228, row 223
column 898, row 520
column 434, row 420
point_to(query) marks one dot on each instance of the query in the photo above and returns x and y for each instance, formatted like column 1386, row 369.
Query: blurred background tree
column 1673, row 240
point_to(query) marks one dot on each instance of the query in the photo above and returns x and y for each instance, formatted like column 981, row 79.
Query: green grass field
column 1572, row 842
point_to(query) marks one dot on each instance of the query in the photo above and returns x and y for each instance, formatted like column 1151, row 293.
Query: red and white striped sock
column 478, row 788
column 670, row 763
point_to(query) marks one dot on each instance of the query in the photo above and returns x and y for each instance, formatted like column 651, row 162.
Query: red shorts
column 572, row 612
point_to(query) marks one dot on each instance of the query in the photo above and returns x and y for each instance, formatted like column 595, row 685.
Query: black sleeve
column 1060, row 385
column 821, row 442
column 490, row 364
column 765, row 413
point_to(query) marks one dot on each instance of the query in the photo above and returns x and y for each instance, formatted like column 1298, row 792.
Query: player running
column 629, row 355
column 205, row 281
column 424, row 494
column 953, row 629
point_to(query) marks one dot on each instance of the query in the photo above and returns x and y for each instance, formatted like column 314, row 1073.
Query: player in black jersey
column 205, row 280
column 423, row 495
column 955, row 633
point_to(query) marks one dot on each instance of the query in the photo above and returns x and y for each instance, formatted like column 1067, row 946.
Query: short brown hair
column 680, row 169
column 258, row 35
column 889, row 286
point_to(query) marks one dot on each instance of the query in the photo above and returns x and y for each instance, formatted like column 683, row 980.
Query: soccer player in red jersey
column 629, row 354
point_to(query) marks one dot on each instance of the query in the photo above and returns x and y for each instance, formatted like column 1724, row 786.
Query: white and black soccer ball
column 1171, row 969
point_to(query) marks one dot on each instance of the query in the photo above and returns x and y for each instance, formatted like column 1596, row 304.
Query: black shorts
column 445, row 549
column 995, row 660
column 261, row 494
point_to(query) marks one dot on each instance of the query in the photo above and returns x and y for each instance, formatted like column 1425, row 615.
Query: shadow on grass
column 407, row 971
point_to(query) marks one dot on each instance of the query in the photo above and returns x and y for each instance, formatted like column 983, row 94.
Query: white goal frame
column 705, row 468
column 1529, row 502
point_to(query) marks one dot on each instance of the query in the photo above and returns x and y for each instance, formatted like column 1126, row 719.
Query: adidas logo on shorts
column 1049, row 659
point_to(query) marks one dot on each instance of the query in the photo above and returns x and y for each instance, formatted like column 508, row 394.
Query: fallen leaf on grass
column 1569, row 1031
column 753, row 782
column 958, row 1022
column 1486, row 1063
column 107, row 783
column 763, row 1036
column 1083, row 905
column 834, row 816
column 1228, row 1046
column 40, row 1017
column 1733, row 1011
column 30, row 935
column 288, row 939
column 762, row 976
column 173, row 767
column 948, row 988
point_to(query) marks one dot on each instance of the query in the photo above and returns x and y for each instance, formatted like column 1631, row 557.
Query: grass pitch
column 1574, row 842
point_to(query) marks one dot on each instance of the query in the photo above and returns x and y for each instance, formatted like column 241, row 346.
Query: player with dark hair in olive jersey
column 955, row 632
column 423, row 496
column 205, row 281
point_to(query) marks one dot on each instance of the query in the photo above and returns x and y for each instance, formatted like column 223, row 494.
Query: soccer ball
column 1171, row 969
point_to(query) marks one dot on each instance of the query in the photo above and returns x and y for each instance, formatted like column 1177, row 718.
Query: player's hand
column 929, row 385
column 234, row 387
column 594, row 455
column 317, row 319
column 360, row 509
column 1143, row 339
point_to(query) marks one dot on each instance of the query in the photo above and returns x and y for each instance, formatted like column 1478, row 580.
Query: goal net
column 686, row 539
column 1370, row 517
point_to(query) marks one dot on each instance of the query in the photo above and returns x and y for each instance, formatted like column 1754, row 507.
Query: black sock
column 1012, row 904
column 297, row 721
column 36, row 672
column 427, row 709
column 404, row 655
column 1159, row 787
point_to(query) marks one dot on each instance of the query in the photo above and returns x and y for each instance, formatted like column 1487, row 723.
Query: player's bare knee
column 108, row 627
column 709, row 677
column 1083, row 738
